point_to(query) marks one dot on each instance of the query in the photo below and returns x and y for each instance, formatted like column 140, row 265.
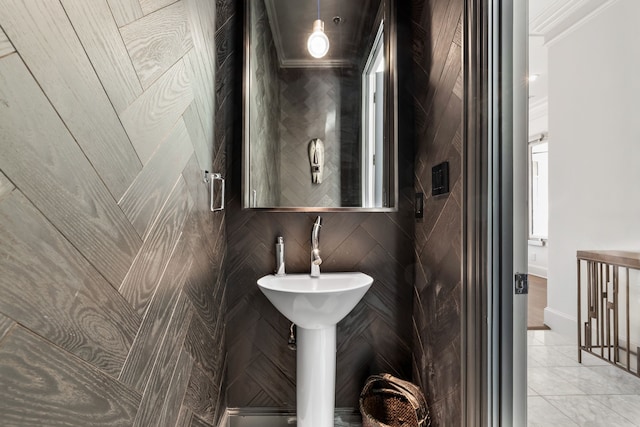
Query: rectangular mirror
column 320, row 108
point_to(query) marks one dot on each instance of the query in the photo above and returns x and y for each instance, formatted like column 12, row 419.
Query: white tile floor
column 563, row 392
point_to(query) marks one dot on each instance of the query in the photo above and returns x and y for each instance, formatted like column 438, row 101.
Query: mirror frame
column 390, row 118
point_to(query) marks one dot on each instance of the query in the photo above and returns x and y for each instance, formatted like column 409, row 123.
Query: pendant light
column 318, row 42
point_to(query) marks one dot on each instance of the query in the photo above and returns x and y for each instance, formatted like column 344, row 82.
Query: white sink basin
column 315, row 302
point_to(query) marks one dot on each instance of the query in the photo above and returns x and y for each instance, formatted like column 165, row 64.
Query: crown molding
column 564, row 15
column 315, row 63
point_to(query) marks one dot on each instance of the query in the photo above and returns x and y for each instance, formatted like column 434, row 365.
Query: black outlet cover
column 440, row 179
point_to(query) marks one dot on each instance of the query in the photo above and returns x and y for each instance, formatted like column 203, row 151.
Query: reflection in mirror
column 318, row 131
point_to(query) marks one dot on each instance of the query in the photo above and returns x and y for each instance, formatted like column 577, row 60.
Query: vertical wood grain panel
column 168, row 356
column 157, row 41
column 48, row 287
column 178, row 386
column 202, row 146
column 6, row 186
column 42, row 159
column 202, row 17
column 5, row 45
column 48, row 44
column 202, row 346
column 41, row 385
column 184, row 417
column 146, row 196
column 149, row 6
column 201, row 395
column 5, row 326
column 202, row 84
column 147, row 269
column 155, row 331
column 201, row 60
column 97, row 30
column 125, row 11
column 152, row 116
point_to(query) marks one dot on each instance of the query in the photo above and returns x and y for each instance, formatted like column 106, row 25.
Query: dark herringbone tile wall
column 325, row 104
column 378, row 335
column 437, row 93
column 375, row 337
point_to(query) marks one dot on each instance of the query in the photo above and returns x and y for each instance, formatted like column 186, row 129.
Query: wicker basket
column 387, row 401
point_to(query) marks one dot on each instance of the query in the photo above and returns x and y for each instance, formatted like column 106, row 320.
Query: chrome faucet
column 315, row 248
column 280, row 256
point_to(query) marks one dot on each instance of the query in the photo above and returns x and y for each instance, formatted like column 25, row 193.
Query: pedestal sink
column 315, row 305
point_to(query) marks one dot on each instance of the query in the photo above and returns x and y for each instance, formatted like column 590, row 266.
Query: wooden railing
column 603, row 298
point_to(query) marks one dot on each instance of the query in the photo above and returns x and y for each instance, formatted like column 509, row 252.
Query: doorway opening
column 582, row 97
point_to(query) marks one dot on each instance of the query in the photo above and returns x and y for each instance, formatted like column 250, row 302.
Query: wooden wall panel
column 55, row 390
column 437, row 71
column 152, row 116
column 202, row 15
column 147, row 269
column 202, row 84
column 64, row 300
column 149, row 6
column 146, row 196
column 5, row 45
column 203, row 150
column 100, row 38
column 168, row 358
column 201, row 394
column 150, row 340
column 6, row 325
column 125, row 11
column 48, row 44
column 6, row 186
column 42, row 159
column 202, row 346
column 157, row 41
column 104, row 265
column 178, row 386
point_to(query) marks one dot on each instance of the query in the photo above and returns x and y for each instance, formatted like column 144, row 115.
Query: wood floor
column 537, row 302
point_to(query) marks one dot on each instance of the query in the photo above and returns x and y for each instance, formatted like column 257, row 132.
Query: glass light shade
column 318, row 42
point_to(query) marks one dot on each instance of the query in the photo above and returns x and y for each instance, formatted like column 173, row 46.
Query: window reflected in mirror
column 539, row 190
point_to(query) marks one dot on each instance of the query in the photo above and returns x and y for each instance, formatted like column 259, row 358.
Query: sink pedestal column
column 316, row 376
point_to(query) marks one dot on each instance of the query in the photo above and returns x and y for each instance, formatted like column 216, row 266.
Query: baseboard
column 224, row 419
column 560, row 322
column 275, row 412
column 537, row 270
column 538, row 328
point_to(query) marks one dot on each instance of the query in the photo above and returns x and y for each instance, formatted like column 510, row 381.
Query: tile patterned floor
column 563, row 392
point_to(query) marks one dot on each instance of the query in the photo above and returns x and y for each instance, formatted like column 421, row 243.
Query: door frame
column 491, row 95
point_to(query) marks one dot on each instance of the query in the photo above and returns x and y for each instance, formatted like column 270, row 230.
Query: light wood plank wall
column 111, row 264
